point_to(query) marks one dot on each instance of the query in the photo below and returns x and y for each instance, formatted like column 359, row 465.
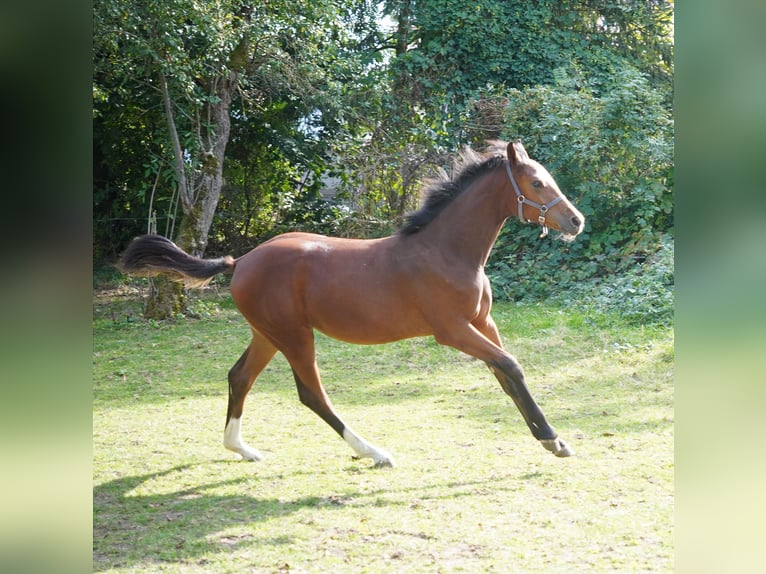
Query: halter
column 522, row 200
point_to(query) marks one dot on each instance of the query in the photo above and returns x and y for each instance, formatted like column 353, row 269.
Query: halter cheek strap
column 522, row 200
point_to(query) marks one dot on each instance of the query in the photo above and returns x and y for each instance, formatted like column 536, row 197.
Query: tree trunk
column 199, row 197
column 208, row 180
column 403, row 28
column 166, row 299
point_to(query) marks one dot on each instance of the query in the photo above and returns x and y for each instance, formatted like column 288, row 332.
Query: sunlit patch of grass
column 472, row 492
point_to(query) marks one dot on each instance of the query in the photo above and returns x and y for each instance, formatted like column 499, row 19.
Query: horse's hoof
column 564, row 451
column 249, row 454
column 557, row 447
column 385, row 463
column 252, row 458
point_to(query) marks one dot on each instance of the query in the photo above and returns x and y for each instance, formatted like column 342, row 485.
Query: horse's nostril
column 575, row 221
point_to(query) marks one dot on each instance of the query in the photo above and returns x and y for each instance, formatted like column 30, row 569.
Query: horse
column 427, row 279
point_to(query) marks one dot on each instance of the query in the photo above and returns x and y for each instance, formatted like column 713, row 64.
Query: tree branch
column 180, row 169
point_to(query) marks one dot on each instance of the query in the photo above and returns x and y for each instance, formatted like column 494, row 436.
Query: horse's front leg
column 483, row 342
column 511, row 377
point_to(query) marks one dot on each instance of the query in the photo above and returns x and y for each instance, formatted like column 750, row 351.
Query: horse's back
column 291, row 256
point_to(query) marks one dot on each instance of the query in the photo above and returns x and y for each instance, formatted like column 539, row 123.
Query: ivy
column 612, row 156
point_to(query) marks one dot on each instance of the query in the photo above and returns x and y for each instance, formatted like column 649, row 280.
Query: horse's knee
column 507, row 370
column 233, row 377
column 314, row 401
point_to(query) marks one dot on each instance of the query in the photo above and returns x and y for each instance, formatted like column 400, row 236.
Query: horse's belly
column 367, row 322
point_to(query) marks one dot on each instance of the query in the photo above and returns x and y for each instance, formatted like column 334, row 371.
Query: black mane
column 441, row 191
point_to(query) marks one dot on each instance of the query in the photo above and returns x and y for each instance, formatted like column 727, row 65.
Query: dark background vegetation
column 367, row 99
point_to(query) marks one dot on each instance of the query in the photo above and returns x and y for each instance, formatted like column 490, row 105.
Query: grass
column 472, row 492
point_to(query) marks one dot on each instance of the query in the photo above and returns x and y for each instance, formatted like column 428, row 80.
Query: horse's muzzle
column 571, row 223
column 577, row 223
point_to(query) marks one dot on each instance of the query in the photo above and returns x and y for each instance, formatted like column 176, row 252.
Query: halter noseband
column 522, row 200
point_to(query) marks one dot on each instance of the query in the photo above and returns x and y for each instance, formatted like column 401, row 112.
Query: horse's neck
column 467, row 229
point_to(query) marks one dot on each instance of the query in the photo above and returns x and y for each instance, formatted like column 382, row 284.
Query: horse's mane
column 442, row 189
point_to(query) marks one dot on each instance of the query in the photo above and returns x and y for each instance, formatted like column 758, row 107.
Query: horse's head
column 539, row 198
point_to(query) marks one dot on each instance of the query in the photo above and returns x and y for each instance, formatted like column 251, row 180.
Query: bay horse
column 425, row 280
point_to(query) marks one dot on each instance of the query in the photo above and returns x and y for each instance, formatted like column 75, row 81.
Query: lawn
column 472, row 492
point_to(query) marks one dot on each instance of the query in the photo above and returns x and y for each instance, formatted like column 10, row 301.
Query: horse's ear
column 516, row 152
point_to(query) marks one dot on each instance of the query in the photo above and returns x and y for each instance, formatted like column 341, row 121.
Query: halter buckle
column 541, row 221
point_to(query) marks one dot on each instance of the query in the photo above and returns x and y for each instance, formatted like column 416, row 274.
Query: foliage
column 330, row 91
column 277, row 54
column 127, row 164
column 284, row 151
column 457, row 49
column 451, row 55
column 643, row 294
column 612, row 156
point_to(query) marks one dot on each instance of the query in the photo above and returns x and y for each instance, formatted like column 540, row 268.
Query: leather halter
column 522, row 200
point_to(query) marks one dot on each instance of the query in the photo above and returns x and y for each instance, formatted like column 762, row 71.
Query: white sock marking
column 366, row 450
column 232, row 439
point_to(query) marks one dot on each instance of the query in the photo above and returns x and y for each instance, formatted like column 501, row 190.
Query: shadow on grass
column 172, row 527
column 187, row 526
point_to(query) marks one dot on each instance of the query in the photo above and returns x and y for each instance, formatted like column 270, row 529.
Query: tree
column 448, row 57
column 456, row 49
column 189, row 56
column 191, row 59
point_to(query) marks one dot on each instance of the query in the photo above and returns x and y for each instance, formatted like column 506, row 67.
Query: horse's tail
column 150, row 255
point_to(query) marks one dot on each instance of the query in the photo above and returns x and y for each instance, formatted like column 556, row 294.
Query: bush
column 611, row 153
column 642, row 295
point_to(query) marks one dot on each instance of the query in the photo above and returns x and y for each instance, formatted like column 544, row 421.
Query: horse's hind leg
column 312, row 394
column 241, row 378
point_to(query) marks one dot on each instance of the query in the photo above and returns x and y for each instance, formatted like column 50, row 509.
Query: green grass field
column 472, row 492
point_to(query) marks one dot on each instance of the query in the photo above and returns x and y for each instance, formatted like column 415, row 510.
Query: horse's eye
column 537, row 183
